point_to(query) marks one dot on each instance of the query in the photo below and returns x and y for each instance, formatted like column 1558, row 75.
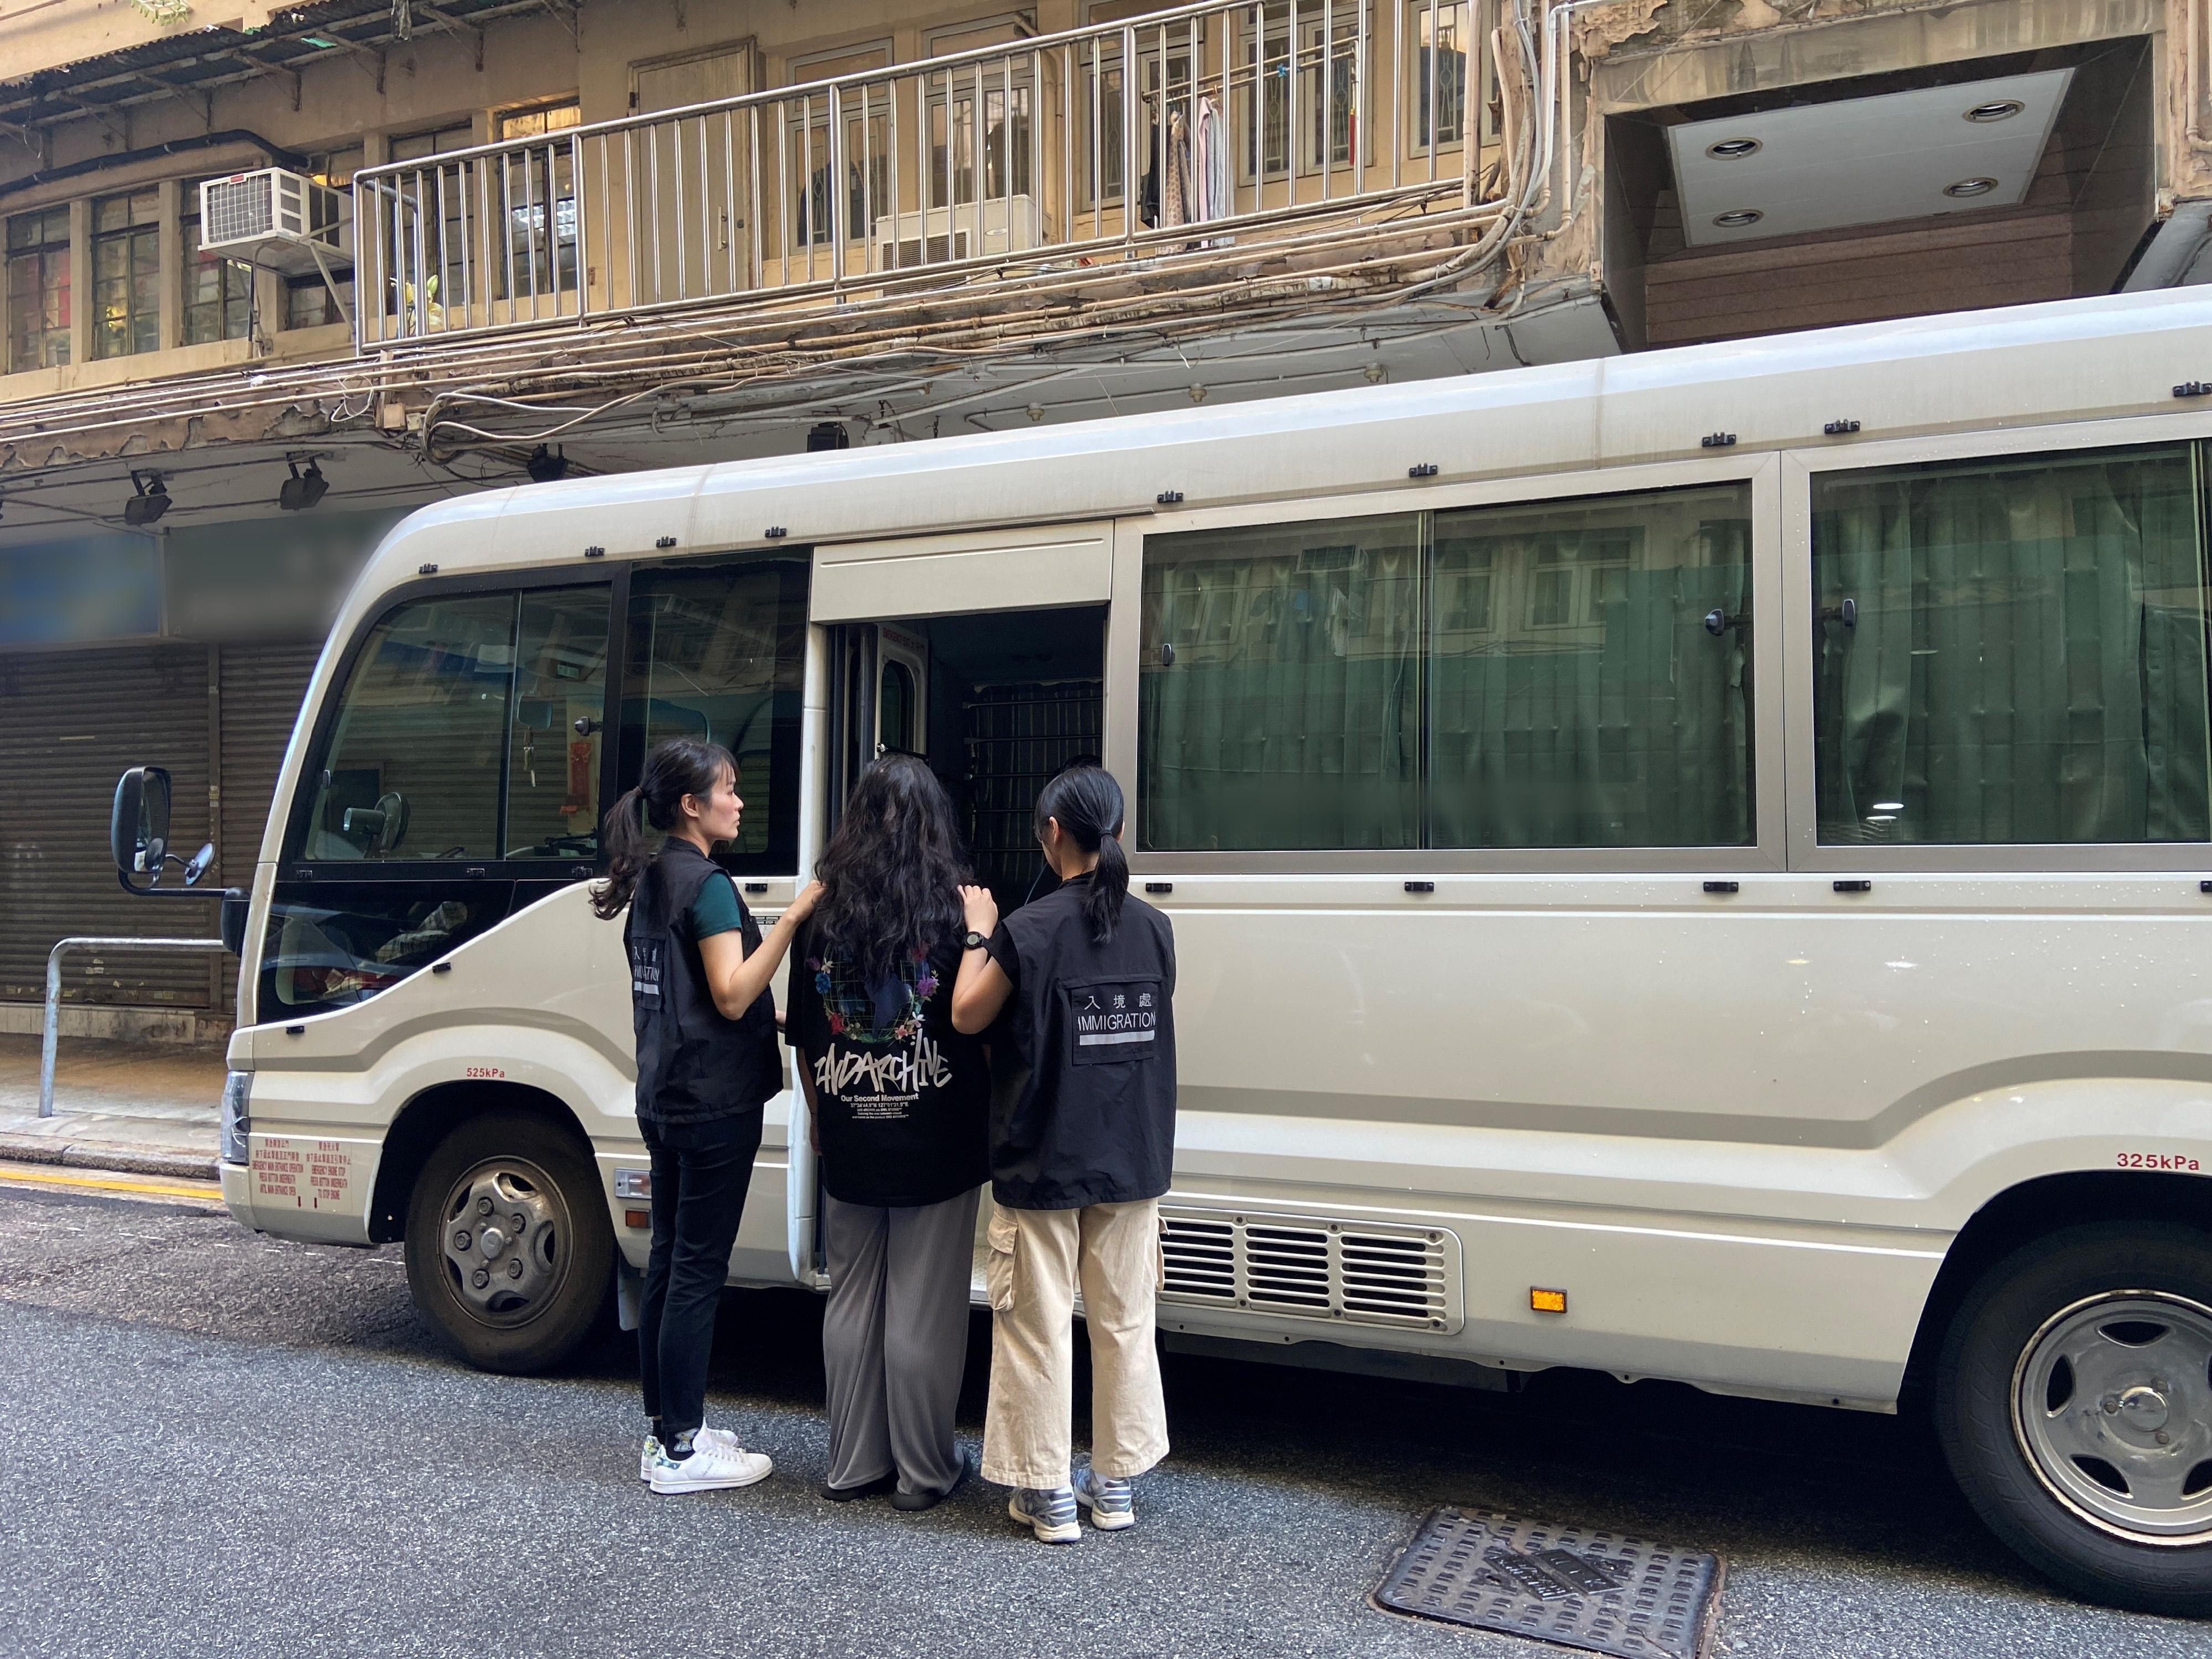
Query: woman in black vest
column 707, row 1063
column 900, row 1103
column 1082, row 1147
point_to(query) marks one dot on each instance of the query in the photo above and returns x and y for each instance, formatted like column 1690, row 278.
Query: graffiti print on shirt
column 1113, row 1022
column 881, row 1085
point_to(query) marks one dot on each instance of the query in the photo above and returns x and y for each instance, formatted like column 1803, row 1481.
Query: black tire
column 562, row 1260
column 2099, row 1288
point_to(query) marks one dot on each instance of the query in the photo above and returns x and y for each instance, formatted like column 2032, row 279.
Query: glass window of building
column 126, row 274
column 38, row 289
column 537, row 122
column 1438, row 67
column 2013, row 651
column 218, row 292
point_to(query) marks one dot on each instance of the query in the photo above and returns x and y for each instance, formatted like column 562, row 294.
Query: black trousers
column 699, row 1174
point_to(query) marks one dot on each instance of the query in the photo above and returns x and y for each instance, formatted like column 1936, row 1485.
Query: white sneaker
column 650, row 1449
column 711, row 1468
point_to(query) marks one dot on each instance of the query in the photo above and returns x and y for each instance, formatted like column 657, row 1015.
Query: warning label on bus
column 306, row 1175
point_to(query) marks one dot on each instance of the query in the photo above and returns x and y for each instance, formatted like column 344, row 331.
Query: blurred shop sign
column 104, row 584
column 267, row 579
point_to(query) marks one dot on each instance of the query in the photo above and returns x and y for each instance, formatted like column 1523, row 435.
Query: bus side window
column 408, row 849
column 1550, row 674
column 2011, row 651
column 411, row 766
column 718, row 650
column 560, row 709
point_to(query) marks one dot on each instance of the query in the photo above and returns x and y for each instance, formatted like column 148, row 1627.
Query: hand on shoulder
column 803, row 906
column 982, row 909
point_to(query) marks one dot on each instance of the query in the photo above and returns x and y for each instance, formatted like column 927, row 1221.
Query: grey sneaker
column 1112, row 1501
column 1050, row 1515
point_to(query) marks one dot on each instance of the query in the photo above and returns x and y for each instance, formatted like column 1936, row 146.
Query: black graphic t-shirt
column 904, row 1097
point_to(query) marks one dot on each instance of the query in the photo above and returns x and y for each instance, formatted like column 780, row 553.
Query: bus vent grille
column 1362, row 1273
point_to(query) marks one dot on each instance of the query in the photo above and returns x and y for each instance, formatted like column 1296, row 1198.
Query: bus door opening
column 997, row 703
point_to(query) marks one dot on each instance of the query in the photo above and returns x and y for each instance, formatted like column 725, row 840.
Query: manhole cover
column 1602, row 1591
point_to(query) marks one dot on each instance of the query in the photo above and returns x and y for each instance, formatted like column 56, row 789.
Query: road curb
column 107, row 1155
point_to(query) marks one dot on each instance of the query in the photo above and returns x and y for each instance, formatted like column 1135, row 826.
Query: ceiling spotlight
column 1733, row 149
column 2002, row 109
column 827, row 434
column 1738, row 218
column 150, row 503
column 302, row 489
column 546, row 465
column 1970, row 187
column 1035, row 411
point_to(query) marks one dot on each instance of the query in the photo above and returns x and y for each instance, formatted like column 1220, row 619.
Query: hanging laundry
column 1175, row 173
column 1148, row 192
column 1209, row 153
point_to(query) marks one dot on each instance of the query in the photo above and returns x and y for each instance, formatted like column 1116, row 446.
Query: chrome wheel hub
column 506, row 1240
column 2112, row 1406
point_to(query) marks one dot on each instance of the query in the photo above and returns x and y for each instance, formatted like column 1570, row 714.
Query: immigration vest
column 1083, row 1110
column 693, row 1065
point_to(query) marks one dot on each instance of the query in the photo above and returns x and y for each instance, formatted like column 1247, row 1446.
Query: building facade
column 557, row 236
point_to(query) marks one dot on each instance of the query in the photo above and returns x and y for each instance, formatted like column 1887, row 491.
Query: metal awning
column 194, row 62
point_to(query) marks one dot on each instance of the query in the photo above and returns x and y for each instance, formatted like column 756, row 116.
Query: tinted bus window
column 1566, row 674
column 718, row 651
column 553, row 740
column 1581, row 691
column 1281, row 686
column 2011, row 651
column 412, row 766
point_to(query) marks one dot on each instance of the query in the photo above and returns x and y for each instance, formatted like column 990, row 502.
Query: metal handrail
column 934, row 168
column 90, row 942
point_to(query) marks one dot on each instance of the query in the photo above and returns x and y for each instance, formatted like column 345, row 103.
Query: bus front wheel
column 509, row 1250
column 2073, row 1400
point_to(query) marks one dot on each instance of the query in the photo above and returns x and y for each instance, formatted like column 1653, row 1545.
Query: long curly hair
column 891, row 874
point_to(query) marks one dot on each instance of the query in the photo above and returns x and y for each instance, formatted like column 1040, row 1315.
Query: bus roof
column 2021, row 366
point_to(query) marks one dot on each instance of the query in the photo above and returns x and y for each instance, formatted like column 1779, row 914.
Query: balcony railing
column 1185, row 128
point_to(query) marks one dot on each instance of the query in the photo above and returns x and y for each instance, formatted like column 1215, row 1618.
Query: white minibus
column 1692, row 865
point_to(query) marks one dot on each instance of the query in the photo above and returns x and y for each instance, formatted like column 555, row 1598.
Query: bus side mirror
column 138, row 833
column 138, row 828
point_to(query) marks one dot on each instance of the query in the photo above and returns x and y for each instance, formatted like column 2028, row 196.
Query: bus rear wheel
column 509, row 1250
column 2074, row 1400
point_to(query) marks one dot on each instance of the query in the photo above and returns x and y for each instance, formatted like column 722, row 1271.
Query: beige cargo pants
column 1038, row 1258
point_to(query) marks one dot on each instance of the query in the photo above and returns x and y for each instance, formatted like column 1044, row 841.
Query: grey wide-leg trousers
column 895, row 1339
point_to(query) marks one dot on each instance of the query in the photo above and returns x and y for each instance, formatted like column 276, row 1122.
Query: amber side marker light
column 644, row 1219
column 1546, row 1301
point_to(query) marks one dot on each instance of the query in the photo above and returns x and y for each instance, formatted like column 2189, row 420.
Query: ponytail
column 1087, row 802
column 677, row 768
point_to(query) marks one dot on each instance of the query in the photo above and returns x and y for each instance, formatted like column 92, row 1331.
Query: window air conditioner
column 1010, row 225
column 278, row 219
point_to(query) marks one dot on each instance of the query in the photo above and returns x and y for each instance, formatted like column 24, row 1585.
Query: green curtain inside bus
column 1530, row 676
column 2013, row 651
column 1595, row 705
column 1281, row 687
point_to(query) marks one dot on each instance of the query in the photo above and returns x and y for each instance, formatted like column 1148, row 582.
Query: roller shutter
column 75, row 720
column 262, row 687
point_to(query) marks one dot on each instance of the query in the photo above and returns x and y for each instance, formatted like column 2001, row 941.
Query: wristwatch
column 975, row 941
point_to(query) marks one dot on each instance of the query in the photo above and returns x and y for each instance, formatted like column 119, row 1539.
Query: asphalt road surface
column 215, row 1443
